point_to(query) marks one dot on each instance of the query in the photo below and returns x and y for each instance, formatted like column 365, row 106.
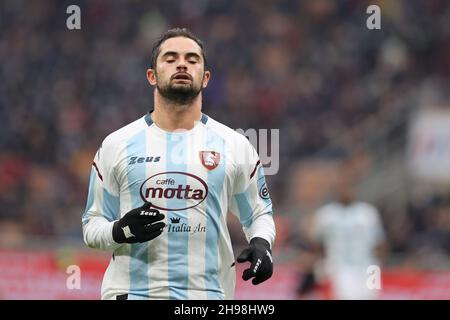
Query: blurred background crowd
column 337, row 91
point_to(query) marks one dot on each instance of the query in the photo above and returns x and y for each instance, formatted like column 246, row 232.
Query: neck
column 171, row 116
column 346, row 201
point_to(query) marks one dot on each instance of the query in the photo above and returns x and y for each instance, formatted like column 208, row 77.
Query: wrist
column 257, row 241
column 117, row 233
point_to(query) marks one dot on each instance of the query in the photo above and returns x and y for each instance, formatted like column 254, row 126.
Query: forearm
column 262, row 227
column 97, row 233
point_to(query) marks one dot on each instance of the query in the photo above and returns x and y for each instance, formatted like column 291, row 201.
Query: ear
column 151, row 77
column 206, row 78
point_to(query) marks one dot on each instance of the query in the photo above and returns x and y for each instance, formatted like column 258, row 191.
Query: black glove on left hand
column 260, row 256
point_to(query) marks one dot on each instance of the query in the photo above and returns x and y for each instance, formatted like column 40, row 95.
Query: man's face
column 180, row 74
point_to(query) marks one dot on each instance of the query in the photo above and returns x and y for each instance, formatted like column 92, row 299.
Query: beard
column 179, row 94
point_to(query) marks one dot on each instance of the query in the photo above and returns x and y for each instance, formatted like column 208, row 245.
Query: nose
column 182, row 65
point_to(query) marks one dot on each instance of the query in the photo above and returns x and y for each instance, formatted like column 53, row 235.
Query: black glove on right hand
column 138, row 225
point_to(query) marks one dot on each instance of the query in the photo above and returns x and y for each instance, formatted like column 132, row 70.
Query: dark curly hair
column 172, row 33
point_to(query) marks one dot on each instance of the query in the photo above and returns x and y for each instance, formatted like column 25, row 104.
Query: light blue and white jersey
column 349, row 234
column 194, row 178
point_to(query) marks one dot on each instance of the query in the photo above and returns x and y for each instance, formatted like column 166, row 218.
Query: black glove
column 138, row 225
column 260, row 256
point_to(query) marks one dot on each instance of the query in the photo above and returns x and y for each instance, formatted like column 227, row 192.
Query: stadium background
column 337, row 91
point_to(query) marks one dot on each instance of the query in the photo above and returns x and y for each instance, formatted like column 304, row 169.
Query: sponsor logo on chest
column 174, row 191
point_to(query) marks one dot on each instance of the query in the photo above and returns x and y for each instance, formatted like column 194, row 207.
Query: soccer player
column 351, row 236
column 160, row 189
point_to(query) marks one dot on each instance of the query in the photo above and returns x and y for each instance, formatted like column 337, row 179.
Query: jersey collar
column 149, row 120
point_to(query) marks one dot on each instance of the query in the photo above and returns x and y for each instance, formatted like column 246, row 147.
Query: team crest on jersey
column 210, row 159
